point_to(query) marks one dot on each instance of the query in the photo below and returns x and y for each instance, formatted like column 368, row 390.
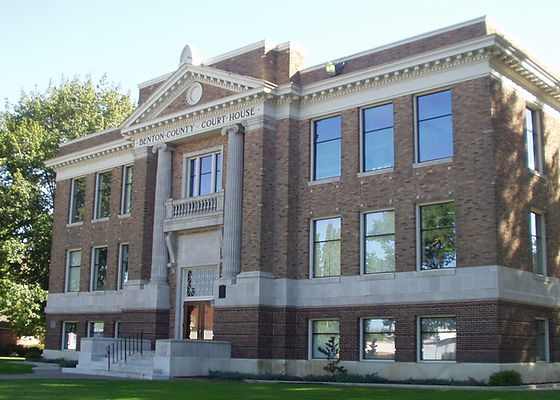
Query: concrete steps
column 136, row 367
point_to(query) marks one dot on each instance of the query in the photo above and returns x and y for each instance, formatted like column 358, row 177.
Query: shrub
column 34, row 354
column 505, row 378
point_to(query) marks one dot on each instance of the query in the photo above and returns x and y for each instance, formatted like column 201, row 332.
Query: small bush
column 33, row 355
column 505, row 378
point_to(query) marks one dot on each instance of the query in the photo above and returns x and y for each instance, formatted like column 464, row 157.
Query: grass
column 10, row 368
column 61, row 389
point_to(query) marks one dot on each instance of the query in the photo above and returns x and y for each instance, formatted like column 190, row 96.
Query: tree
column 331, row 351
column 30, row 132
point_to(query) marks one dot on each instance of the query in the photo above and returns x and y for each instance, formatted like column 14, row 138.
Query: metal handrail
column 123, row 348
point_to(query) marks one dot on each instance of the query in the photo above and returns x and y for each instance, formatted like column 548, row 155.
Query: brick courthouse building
column 404, row 200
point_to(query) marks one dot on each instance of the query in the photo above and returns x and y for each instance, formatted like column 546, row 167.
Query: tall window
column 326, row 247
column 95, row 329
column 379, row 246
column 73, row 271
column 434, row 126
column 379, row 339
column 327, row 147
column 205, row 174
column 78, row 197
column 533, row 139
column 99, row 268
column 378, row 137
column 123, row 265
column 103, row 195
column 127, row 190
column 536, row 225
column 321, row 332
column 69, row 335
column 437, row 236
column 542, row 340
column 438, row 338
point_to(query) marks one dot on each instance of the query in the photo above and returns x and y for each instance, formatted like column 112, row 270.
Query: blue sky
column 134, row 41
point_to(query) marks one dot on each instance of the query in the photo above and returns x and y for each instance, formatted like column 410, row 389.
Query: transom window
column 536, row 225
column 434, row 126
column 326, row 147
column 437, row 236
column 103, row 195
column 378, row 148
column 78, row 197
column 205, row 174
column 438, row 338
column 326, row 247
column 379, row 339
column 99, row 268
column 533, row 140
column 200, row 282
column 73, row 273
column 321, row 332
column 379, row 242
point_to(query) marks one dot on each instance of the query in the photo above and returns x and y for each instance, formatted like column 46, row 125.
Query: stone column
column 163, row 192
column 233, row 202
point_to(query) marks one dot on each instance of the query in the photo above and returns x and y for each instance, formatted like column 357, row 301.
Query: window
column 95, row 329
column 533, row 139
column 434, row 126
column 200, row 282
column 379, row 242
column 69, row 335
column 99, row 268
column 326, row 147
column 77, row 198
column 378, row 137
column 542, row 340
column 326, row 247
column 205, row 174
column 536, row 225
column 118, row 329
column 103, row 195
column 437, row 236
column 123, row 265
column 73, row 271
column 438, row 338
column 378, row 339
column 127, row 190
column 321, row 332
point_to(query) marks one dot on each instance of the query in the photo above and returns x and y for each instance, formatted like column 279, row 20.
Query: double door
column 198, row 320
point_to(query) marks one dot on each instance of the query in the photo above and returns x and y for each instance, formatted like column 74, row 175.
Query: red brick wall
column 487, row 331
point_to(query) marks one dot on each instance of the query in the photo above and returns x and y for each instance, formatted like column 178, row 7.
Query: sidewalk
column 50, row 371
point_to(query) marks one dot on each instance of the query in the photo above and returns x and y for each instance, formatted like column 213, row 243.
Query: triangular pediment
column 189, row 87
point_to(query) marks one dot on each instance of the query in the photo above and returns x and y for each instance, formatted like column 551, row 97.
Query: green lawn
column 145, row 390
column 10, row 368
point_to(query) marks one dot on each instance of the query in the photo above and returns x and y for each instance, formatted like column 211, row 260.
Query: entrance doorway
column 198, row 321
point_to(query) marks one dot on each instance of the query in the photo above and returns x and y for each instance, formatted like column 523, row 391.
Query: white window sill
column 104, row 219
column 379, row 171
column 325, row 279
column 538, row 174
column 432, row 162
column 367, row 360
column 124, row 216
column 377, row 276
column 435, row 272
column 321, row 181
column 70, row 225
column 438, row 361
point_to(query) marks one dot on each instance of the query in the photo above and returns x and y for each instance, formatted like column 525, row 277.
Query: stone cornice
column 88, row 154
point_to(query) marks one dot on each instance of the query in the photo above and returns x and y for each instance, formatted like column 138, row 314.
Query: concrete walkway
column 50, row 371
